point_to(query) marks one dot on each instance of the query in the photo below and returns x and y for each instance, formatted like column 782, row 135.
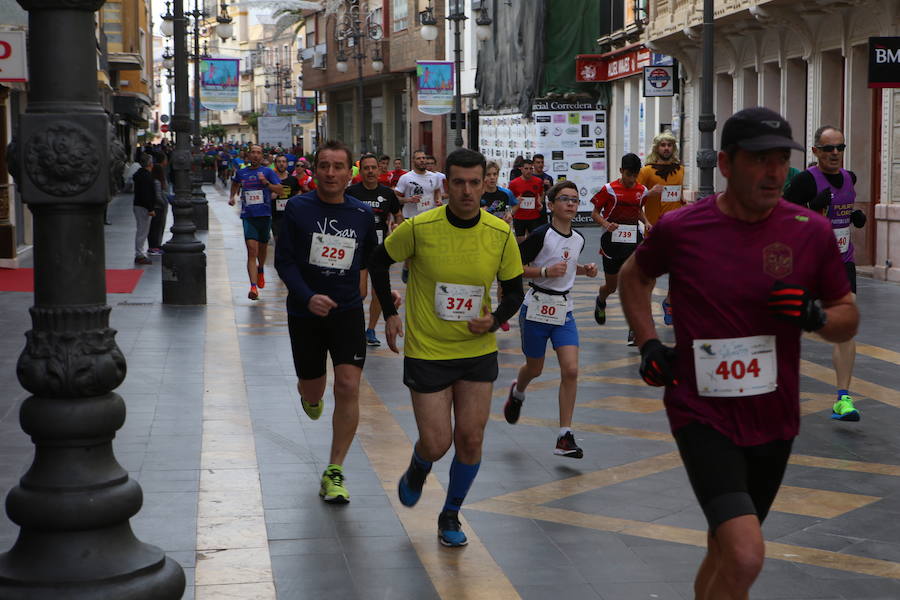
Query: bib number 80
column 548, row 310
column 737, row 369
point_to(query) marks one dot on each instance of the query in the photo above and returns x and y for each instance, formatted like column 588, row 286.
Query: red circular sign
column 164, row 128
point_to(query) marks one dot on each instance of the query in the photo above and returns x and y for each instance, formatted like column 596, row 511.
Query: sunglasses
column 832, row 147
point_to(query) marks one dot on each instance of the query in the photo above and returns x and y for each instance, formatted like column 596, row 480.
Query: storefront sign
column 435, row 86
column 611, row 66
column 13, row 65
column 659, row 81
column 884, row 62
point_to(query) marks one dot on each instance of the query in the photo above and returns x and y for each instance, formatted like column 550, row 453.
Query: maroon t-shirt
column 720, row 273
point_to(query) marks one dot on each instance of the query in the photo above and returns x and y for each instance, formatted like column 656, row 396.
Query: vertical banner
column 306, row 110
column 219, row 83
column 274, row 131
column 435, row 86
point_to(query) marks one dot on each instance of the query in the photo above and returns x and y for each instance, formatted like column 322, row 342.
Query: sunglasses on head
column 832, row 147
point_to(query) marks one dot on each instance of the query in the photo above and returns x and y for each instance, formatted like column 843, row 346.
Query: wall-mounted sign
column 13, row 63
column 884, row 62
column 659, row 81
column 612, row 65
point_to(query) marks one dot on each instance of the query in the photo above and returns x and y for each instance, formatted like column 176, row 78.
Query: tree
column 213, row 131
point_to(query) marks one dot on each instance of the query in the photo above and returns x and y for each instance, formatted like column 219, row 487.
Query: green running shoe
column 843, row 409
column 313, row 411
column 332, row 489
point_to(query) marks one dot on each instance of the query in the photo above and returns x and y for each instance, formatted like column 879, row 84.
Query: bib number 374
column 736, row 367
column 332, row 251
column 457, row 302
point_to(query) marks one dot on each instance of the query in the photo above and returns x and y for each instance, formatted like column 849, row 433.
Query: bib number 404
column 737, row 369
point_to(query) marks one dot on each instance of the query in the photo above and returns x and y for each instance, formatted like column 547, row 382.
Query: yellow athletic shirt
column 441, row 252
column 666, row 175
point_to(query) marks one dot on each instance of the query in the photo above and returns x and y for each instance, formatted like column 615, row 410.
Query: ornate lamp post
column 350, row 26
column 429, row 32
column 183, row 262
column 74, row 504
column 198, row 198
column 706, row 155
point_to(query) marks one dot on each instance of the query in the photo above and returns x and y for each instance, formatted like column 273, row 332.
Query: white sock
column 516, row 393
column 564, row 430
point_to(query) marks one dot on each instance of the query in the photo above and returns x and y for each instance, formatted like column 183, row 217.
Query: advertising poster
column 219, row 83
column 435, row 86
column 305, row 111
column 275, row 131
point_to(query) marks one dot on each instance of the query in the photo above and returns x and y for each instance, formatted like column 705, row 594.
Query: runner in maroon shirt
column 748, row 271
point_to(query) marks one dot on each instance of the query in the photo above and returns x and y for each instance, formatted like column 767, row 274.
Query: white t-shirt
column 413, row 184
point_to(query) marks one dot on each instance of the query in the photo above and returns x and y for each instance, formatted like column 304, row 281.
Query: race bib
column 380, row 235
column 331, row 251
column 527, row 202
column 457, row 302
column 252, row 197
column 426, row 203
column 280, row 203
column 843, row 238
column 671, row 193
column 736, row 367
column 625, row 234
column 547, row 308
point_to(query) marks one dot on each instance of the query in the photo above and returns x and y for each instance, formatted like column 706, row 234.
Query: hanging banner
column 435, row 85
column 219, row 83
column 306, row 110
column 274, row 131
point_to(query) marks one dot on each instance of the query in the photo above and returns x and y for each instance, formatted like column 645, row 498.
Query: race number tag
column 547, row 308
column 843, row 238
column 671, row 193
column 527, row 202
column 380, row 235
column 280, row 203
column 457, row 302
column 252, row 197
column 736, row 367
column 625, row 234
column 331, row 251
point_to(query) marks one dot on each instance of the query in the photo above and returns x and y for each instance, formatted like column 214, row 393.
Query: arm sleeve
column 285, row 259
column 379, row 262
column 530, row 247
column 802, row 189
column 513, row 295
column 652, row 255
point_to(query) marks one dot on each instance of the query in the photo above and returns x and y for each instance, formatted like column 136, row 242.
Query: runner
column 290, row 187
column 538, row 160
column 418, row 191
column 529, row 190
column 828, row 188
column 663, row 176
column 499, row 202
column 455, row 253
column 256, row 184
column 397, row 173
column 320, row 256
column 618, row 207
column 431, row 166
column 384, row 204
column 732, row 380
column 550, row 255
column 384, row 173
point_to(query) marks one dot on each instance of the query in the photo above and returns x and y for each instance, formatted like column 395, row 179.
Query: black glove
column 821, row 201
column 793, row 303
column 657, row 364
column 858, row 218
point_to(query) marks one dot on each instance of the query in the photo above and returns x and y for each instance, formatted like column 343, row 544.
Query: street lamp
column 168, row 59
column 351, row 26
column 706, row 155
column 183, row 263
column 429, row 32
column 224, row 27
column 167, row 26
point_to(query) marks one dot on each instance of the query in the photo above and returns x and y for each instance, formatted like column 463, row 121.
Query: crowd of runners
column 749, row 270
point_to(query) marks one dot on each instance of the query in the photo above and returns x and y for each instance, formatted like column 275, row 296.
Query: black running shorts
column 615, row 253
column 851, row 275
column 729, row 480
column 526, row 226
column 342, row 335
column 429, row 376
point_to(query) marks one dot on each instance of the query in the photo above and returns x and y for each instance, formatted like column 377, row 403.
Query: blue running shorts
column 257, row 228
column 535, row 335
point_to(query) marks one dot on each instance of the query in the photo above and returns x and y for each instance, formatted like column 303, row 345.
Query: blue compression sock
column 461, row 478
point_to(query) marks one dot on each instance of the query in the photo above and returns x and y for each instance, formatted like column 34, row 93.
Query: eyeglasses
column 569, row 199
column 832, row 147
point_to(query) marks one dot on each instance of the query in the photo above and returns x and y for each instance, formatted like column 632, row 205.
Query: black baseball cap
column 757, row 129
column 631, row 163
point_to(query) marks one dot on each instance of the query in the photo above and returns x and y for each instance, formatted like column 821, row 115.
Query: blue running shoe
column 450, row 531
column 667, row 312
column 371, row 338
column 409, row 488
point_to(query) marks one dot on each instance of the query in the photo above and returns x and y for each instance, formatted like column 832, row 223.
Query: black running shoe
column 630, row 338
column 450, row 530
column 409, row 488
column 566, row 446
column 600, row 311
column 513, row 406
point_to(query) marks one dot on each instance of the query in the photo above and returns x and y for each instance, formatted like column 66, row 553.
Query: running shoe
column 513, row 406
column 409, row 488
column 630, row 338
column 504, row 325
column 566, row 446
column 843, row 409
column 253, row 294
column 371, row 339
column 667, row 312
column 260, row 280
column 600, row 311
column 332, row 489
column 155, row 252
column 313, row 411
column 450, row 531
column 404, row 276
column 142, row 260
